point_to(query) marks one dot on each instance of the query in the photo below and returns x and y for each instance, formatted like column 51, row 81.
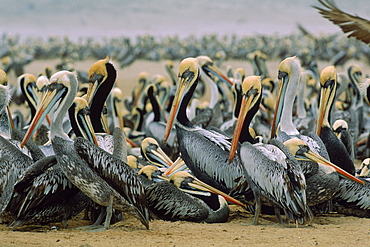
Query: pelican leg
column 257, row 210
column 109, row 211
column 278, row 215
column 97, row 223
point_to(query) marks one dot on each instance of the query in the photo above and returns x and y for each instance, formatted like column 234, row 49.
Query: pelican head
column 354, row 71
column 152, row 173
column 338, row 126
column 3, row 78
column 97, row 74
column 133, row 162
column 288, row 70
column 251, row 97
column 5, row 93
column 151, row 150
column 80, row 119
column 62, row 88
column 188, row 76
column 328, row 82
column 365, row 169
column 27, row 84
column 207, row 65
column 301, row 151
column 189, row 184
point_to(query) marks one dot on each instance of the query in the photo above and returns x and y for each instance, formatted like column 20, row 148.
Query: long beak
column 278, row 108
column 178, row 165
column 244, row 107
column 322, row 110
column 315, row 157
column 10, row 117
column 47, row 103
column 161, row 158
column 197, row 184
column 179, row 96
column 105, row 123
column 88, row 129
column 216, row 72
column 92, row 88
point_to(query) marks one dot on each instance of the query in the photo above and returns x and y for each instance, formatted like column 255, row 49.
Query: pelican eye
column 55, row 86
column 43, row 89
column 303, row 149
column 188, row 74
column 329, row 83
column 85, row 111
column 366, row 165
column 282, row 74
column 339, row 129
column 252, row 91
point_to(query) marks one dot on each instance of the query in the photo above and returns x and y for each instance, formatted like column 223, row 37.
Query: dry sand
column 325, row 230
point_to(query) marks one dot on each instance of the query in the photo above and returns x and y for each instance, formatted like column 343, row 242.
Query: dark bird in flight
column 352, row 25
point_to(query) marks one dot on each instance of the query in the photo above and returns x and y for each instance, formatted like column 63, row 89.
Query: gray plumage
column 206, row 152
column 275, row 176
column 353, row 198
column 122, row 182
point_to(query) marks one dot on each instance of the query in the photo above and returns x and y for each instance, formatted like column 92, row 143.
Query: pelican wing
column 274, row 180
column 206, row 154
column 169, row 203
column 50, row 186
column 354, row 194
column 115, row 172
column 352, row 25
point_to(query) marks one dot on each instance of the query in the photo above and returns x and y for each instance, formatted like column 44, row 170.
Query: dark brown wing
column 352, row 25
column 116, row 173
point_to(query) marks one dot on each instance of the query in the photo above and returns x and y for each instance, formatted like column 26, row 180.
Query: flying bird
column 352, row 25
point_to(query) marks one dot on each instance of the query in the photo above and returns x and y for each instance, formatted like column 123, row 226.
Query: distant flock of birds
column 284, row 145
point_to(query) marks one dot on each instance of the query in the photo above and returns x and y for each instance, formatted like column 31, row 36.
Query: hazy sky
column 167, row 17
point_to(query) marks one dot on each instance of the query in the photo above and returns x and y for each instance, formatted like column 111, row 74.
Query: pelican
column 151, row 150
column 304, row 122
column 5, row 124
column 321, row 176
column 337, row 151
column 155, row 122
column 183, row 197
column 62, row 90
column 27, row 83
column 352, row 25
column 340, row 129
column 118, row 111
column 212, row 115
column 228, row 126
column 258, row 61
column 352, row 198
column 282, row 125
column 102, row 76
column 205, row 152
column 43, row 194
column 272, row 172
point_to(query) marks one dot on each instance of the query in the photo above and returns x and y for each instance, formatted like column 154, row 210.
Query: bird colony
column 292, row 141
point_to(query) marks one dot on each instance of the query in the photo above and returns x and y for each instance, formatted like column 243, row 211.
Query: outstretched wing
column 352, row 25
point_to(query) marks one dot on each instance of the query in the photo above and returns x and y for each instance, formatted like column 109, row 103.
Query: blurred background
column 112, row 18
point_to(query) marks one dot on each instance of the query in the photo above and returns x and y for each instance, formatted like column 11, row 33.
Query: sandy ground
column 325, row 230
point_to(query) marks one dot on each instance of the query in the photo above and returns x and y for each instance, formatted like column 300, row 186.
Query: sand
column 325, row 230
